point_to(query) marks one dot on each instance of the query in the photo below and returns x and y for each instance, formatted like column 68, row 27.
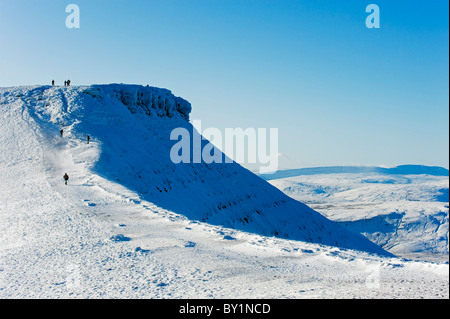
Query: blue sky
column 339, row 93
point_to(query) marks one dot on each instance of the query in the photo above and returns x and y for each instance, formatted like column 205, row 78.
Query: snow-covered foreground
column 96, row 238
column 406, row 214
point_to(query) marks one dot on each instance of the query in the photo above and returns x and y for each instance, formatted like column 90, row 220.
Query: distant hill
column 399, row 170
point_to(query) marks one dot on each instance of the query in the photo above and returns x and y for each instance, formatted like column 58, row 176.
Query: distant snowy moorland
column 403, row 209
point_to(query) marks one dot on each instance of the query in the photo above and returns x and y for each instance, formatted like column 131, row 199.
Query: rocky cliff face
column 149, row 100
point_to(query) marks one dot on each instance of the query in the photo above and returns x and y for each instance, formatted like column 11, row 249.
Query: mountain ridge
column 409, row 169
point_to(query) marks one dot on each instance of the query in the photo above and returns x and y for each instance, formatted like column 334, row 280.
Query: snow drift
column 130, row 126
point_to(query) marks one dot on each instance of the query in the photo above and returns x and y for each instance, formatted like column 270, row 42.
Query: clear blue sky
column 340, row 93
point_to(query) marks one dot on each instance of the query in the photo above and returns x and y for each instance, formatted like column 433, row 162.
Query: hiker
column 65, row 83
column 61, row 132
column 68, row 82
column 66, row 177
column 88, row 139
column 53, row 82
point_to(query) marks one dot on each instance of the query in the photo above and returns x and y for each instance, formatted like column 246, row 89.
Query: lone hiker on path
column 62, row 132
column 88, row 139
column 53, row 82
column 66, row 177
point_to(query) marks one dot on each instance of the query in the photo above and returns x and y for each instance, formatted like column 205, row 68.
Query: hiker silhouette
column 66, row 178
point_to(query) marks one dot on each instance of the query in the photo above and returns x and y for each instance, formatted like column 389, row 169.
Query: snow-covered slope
column 406, row 214
column 131, row 224
column 132, row 126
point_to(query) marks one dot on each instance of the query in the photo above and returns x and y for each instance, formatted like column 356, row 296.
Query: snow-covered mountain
column 403, row 209
column 132, row 127
column 130, row 223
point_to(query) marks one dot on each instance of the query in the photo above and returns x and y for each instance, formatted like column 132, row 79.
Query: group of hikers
column 66, row 83
column 66, row 176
